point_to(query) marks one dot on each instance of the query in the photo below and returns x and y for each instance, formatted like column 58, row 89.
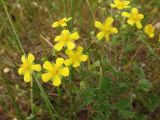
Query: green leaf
column 144, row 85
column 127, row 114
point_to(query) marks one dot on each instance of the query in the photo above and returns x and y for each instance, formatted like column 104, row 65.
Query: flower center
column 135, row 18
column 76, row 57
column 150, row 30
column 55, row 71
column 107, row 30
column 66, row 38
column 26, row 67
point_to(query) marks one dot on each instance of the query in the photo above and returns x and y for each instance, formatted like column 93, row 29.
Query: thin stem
column 90, row 8
column 59, row 97
column 71, row 13
column 65, row 9
column 47, row 101
column 5, row 21
column 31, row 96
column 10, row 21
column 71, row 4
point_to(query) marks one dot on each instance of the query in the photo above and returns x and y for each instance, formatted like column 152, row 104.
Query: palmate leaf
column 144, row 85
column 123, row 107
column 126, row 114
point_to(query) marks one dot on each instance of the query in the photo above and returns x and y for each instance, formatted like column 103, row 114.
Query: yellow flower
column 66, row 39
column 106, row 29
column 75, row 57
column 28, row 67
column 55, row 71
column 149, row 30
column 62, row 22
column 120, row 4
column 134, row 17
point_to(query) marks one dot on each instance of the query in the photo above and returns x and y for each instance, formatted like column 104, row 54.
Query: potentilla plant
column 75, row 55
column 66, row 40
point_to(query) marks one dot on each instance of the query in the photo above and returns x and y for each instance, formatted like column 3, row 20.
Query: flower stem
column 10, row 21
column 90, row 8
column 31, row 97
column 65, row 9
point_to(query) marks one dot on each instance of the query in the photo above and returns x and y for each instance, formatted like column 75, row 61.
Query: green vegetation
column 119, row 81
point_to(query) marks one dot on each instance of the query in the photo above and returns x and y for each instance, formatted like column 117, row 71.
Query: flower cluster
column 66, row 42
column 134, row 18
column 54, row 71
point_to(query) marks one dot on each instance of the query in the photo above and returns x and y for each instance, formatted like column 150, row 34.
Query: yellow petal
column 141, row 16
column 31, row 58
column 116, row 2
column 70, row 45
column 100, row 35
column 47, row 65
column 109, row 21
column 151, row 35
column 98, row 24
column 55, row 24
column 36, row 67
column 130, row 21
column 68, row 62
column 134, row 11
column 64, row 71
column 107, row 37
column 114, row 30
column 83, row 58
column 46, row 77
column 113, row 5
column 69, row 52
column 59, row 62
column 56, row 81
column 74, row 36
column 58, row 38
column 64, row 19
column 76, row 64
column 20, row 71
column 63, row 24
column 79, row 49
column 139, row 25
column 65, row 32
column 59, row 46
column 126, row 14
column 27, row 77
column 126, row 2
column 149, row 30
column 68, row 19
column 23, row 59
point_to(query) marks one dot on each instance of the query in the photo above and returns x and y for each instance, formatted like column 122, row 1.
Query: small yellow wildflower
column 62, row 22
column 55, row 71
column 28, row 67
column 66, row 39
column 106, row 29
column 149, row 30
column 75, row 57
column 120, row 4
column 134, row 17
